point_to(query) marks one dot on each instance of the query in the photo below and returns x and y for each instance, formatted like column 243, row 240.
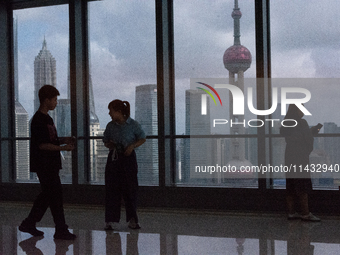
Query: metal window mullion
column 165, row 91
column 262, row 72
column 171, row 96
column 7, row 129
column 160, row 91
column 79, row 89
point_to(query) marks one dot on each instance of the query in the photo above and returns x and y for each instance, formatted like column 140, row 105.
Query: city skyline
column 118, row 64
column 117, row 68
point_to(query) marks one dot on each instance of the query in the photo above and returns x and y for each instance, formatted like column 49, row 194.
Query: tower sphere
column 237, row 58
column 236, row 14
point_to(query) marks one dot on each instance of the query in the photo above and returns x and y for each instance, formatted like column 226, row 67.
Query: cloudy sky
column 304, row 35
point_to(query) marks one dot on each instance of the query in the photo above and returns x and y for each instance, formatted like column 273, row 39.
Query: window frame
column 166, row 194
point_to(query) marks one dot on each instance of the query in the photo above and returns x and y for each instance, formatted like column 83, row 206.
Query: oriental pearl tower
column 237, row 60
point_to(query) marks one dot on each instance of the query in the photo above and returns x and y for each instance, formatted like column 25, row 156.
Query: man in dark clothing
column 46, row 162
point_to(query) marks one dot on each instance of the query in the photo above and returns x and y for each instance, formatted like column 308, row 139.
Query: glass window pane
column 123, row 66
column 301, row 48
column 210, row 162
column 324, row 163
column 212, row 40
column 205, row 46
column 208, row 45
column 41, row 42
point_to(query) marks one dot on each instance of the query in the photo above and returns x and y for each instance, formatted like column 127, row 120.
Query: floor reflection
column 172, row 233
column 299, row 238
column 42, row 245
column 29, row 245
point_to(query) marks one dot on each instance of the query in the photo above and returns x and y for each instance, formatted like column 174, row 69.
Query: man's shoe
column 294, row 216
column 310, row 217
column 64, row 235
column 111, row 225
column 108, row 226
column 31, row 229
column 133, row 224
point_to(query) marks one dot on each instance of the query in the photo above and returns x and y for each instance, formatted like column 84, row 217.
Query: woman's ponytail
column 126, row 111
column 122, row 106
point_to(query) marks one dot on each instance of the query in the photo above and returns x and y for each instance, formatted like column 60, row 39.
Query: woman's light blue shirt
column 123, row 134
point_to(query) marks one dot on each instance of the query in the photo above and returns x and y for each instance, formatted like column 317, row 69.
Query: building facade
column 45, row 72
column 146, row 115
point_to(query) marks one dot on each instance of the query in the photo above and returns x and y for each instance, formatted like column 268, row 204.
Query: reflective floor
column 171, row 232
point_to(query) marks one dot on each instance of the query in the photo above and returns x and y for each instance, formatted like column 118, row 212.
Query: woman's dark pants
column 121, row 182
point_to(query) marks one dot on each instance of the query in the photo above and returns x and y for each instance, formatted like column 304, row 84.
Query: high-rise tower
column 21, row 146
column 94, row 120
column 44, row 72
column 196, row 151
column 146, row 115
column 21, row 119
column 237, row 60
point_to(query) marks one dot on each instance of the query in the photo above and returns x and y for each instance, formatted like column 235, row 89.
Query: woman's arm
column 111, row 145
column 134, row 145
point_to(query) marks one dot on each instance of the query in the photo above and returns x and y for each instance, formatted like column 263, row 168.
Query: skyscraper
column 146, row 115
column 94, row 120
column 44, row 72
column 98, row 151
column 197, row 151
column 21, row 119
column 98, row 161
column 62, row 117
column 93, row 116
column 62, row 120
column 237, row 60
column 21, row 146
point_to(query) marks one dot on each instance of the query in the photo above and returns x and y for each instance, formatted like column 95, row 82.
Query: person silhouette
column 45, row 160
column 299, row 144
column 122, row 135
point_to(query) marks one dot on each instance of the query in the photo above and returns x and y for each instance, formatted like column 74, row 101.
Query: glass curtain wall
column 122, row 50
column 212, row 41
column 305, row 53
column 41, row 48
column 122, row 64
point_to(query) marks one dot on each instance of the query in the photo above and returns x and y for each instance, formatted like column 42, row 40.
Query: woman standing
column 122, row 135
column 299, row 144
